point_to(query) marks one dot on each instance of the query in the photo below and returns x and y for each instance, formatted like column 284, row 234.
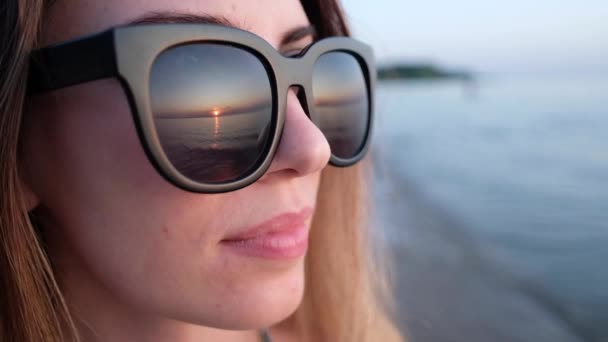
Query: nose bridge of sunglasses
column 296, row 75
column 295, row 72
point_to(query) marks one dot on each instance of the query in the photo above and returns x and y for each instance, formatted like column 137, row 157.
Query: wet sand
column 446, row 289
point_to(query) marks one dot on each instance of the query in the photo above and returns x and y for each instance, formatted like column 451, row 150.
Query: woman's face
column 123, row 239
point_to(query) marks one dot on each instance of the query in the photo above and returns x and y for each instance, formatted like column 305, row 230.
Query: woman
column 156, row 188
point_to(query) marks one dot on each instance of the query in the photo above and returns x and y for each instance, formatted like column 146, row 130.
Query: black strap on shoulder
column 265, row 336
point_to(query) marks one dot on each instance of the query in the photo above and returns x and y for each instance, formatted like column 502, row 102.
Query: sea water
column 521, row 163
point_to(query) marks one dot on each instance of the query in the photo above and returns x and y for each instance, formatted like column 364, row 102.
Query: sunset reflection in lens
column 341, row 102
column 211, row 104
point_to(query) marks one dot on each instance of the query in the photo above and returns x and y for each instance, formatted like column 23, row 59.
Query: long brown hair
column 343, row 297
column 31, row 305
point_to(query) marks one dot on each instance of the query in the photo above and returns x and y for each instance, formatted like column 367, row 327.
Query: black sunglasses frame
column 128, row 53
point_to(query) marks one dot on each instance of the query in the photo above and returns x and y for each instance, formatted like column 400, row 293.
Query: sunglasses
column 209, row 101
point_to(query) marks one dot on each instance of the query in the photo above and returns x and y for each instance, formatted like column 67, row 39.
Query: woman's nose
column 303, row 149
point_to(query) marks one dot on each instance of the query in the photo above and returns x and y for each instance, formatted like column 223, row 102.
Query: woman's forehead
column 269, row 19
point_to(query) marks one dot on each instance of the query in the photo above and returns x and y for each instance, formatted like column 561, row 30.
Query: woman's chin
column 267, row 304
column 249, row 304
column 263, row 316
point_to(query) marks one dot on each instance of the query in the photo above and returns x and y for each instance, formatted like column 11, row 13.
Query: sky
column 546, row 36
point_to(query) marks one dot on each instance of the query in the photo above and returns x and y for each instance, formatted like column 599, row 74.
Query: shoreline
column 447, row 288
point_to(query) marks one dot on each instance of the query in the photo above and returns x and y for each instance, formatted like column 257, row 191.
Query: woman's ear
column 31, row 199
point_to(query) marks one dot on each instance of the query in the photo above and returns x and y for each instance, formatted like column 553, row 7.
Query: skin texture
column 137, row 258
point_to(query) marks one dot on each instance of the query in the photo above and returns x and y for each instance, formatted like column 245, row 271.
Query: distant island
column 420, row 72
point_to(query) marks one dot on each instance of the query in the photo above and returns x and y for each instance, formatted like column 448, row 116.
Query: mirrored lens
column 341, row 103
column 212, row 107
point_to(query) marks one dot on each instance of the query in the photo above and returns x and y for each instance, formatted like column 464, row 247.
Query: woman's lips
column 284, row 236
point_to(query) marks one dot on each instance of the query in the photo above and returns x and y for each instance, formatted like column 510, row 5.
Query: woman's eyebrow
column 297, row 34
column 290, row 36
column 179, row 18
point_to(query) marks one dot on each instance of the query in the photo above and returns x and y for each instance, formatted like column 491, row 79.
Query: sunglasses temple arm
column 79, row 61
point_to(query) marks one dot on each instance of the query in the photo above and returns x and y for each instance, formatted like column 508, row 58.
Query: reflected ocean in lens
column 338, row 125
column 340, row 100
column 215, row 148
column 212, row 108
